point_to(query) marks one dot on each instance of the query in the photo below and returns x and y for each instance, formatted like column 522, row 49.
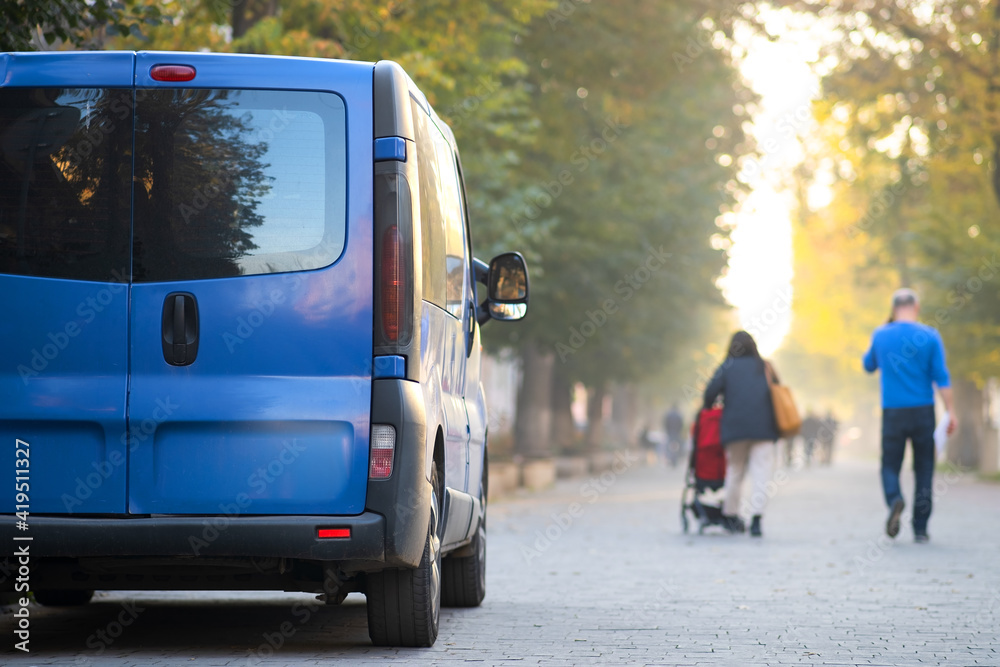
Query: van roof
column 118, row 68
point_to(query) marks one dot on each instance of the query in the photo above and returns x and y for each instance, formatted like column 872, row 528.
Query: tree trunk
column 534, row 404
column 624, row 414
column 595, row 417
column 240, row 22
column 964, row 447
column 563, row 431
column 246, row 14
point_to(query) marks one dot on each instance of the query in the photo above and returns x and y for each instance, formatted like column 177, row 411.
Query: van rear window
column 65, row 173
column 237, row 182
column 225, row 182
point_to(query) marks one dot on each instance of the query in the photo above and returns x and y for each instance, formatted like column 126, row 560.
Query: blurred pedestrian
column 788, row 449
column 747, row 429
column 810, row 434
column 912, row 360
column 827, row 437
column 675, row 428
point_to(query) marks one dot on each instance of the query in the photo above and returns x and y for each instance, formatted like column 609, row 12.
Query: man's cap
column 904, row 297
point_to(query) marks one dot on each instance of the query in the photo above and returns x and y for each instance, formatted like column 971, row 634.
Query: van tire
column 463, row 578
column 62, row 598
column 404, row 604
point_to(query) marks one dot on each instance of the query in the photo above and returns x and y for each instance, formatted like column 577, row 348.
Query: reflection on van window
column 431, row 221
column 65, row 159
column 232, row 182
column 454, row 223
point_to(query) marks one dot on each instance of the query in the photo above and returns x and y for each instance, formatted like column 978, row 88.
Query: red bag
column 709, row 458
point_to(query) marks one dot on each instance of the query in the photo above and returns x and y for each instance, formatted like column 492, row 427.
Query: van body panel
column 276, row 404
column 79, row 69
column 68, row 341
column 405, row 498
column 443, row 391
column 215, row 536
column 475, row 405
column 352, row 79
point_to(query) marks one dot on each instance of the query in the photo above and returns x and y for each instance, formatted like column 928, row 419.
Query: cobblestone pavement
column 597, row 572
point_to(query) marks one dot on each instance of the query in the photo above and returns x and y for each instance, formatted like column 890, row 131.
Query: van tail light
column 383, row 446
column 394, row 266
column 333, row 533
column 393, row 284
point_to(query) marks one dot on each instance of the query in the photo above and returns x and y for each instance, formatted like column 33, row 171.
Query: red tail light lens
column 392, row 283
column 171, row 73
column 333, row 533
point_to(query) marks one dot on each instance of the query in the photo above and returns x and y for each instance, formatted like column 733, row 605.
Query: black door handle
column 180, row 329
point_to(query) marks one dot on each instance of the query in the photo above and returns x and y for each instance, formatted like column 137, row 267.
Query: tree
column 30, row 25
column 917, row 90
column 628, row 192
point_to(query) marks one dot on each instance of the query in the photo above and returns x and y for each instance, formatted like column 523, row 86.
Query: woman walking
column 747, row 430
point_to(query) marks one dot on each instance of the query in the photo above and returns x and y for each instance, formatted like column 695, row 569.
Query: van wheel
column 62, row 598
column 404, row 605
column 463, row 578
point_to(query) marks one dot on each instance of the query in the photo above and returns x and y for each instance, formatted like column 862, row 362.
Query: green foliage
column 916, row 89
column 29, row 25
column 623, row 177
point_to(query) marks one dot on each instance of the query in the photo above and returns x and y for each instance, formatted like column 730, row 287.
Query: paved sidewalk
column 597, row 572
column 824, row 586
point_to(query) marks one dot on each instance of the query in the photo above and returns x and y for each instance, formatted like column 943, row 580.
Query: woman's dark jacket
column 747, row 412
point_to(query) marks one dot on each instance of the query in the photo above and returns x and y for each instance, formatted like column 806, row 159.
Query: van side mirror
column 507, row 287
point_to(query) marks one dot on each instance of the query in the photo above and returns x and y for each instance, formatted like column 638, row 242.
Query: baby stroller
column 706, row 471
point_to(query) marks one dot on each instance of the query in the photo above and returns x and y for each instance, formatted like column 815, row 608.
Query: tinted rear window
column 65, row 161
column 234, row 182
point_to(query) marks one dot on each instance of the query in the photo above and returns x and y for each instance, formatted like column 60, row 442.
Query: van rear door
column 65, row 180
column 251, row 309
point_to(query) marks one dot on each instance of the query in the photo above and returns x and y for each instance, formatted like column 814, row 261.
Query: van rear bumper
column 209, row 536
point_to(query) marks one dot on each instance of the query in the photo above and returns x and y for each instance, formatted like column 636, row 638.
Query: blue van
column 243, row 349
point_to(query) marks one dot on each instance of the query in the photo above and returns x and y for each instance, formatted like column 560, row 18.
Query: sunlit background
column 759, row 280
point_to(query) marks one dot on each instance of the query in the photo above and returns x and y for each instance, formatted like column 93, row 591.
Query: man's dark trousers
column 917, row 425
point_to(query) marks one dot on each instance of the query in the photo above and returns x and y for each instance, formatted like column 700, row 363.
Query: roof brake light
column 171, row 72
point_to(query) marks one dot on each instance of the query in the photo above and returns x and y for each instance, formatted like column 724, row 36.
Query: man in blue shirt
column 911, row 357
